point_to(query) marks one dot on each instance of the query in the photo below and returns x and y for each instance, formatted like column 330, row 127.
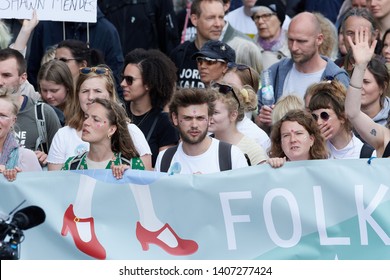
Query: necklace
column 135, row 119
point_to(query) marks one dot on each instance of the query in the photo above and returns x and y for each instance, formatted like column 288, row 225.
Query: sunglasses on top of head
column 323, row 115
column 225, row 89
column 97, row 70
column 241, row 67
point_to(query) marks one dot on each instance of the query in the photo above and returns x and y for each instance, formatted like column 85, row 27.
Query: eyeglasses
column 66, row 60
column 209, row 61
column 324, row 116
column 225, row 89
column 129, row 79
column 241, row 67
column 264, row 17
column 97, row 70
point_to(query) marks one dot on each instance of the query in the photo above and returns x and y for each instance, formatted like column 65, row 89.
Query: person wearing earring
column 111, row 146
column 97, row 82
column 148, row 83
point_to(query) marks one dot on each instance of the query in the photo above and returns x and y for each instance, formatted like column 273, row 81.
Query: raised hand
column 362, row 51
column 29, row 24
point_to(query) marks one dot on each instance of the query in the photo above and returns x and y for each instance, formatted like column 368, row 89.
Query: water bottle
column 267, row 89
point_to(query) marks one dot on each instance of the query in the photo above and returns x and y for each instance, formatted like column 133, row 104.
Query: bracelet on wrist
column 355, row 87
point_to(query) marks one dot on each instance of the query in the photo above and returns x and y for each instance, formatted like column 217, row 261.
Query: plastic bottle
column 267, row 89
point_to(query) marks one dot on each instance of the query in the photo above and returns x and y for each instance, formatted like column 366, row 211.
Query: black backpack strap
column 366, row 151
column 225, row 156
column 167, row 158
column 41, row 142
column 248, row 160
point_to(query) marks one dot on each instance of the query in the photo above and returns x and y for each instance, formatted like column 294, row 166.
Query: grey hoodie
column 381, row 117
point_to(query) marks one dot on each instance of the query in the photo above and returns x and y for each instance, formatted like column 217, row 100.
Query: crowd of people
column 78, row 96
column 54, row 77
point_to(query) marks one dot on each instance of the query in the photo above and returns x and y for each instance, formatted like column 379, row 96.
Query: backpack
column 366, row 151
column 41, row 143
column 224, row 157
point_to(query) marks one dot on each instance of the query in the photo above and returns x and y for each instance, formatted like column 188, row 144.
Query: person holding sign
column 296, row 137
column 374, row 134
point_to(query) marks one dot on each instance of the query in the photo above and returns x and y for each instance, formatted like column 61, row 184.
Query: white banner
column 55, row 10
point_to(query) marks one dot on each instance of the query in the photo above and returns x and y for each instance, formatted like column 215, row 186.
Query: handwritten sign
column 55, row 10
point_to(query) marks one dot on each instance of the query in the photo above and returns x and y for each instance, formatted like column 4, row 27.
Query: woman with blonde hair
column 74, row 141
column 93, row 82
column 285, row 104
column 13, row 159
column 229, row 109
column 241, row 75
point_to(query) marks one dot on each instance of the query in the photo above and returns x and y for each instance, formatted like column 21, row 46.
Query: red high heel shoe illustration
column 92, row 248
column 146, row 237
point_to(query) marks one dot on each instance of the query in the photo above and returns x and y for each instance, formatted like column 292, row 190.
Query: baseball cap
column 216, row 50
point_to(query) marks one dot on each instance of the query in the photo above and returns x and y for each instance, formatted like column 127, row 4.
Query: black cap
column 276, row 6
column 217, row 50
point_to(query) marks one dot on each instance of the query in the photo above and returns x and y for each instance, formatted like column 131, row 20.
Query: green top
column 80, row 162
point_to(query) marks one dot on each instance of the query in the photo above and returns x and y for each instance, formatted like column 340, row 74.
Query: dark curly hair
column 158, row 73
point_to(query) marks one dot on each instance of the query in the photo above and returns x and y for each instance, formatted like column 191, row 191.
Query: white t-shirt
column 240, row 21
column 67, row 143
column 205, row 163
column 296, row 83
column 351, row 151
column 250, row 129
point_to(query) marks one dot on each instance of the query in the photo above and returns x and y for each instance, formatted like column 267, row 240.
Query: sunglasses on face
column 324, row 116
column 209, row 61
column 97, row 70
column 129, row 79
column 225, row 89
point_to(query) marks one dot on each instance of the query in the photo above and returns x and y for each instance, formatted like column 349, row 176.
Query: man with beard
column 305, row 67
column 191, row 110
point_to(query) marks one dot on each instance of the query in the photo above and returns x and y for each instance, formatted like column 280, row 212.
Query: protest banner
column 325, row 209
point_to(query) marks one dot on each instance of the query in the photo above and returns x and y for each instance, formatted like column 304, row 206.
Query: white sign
column 55, row 10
